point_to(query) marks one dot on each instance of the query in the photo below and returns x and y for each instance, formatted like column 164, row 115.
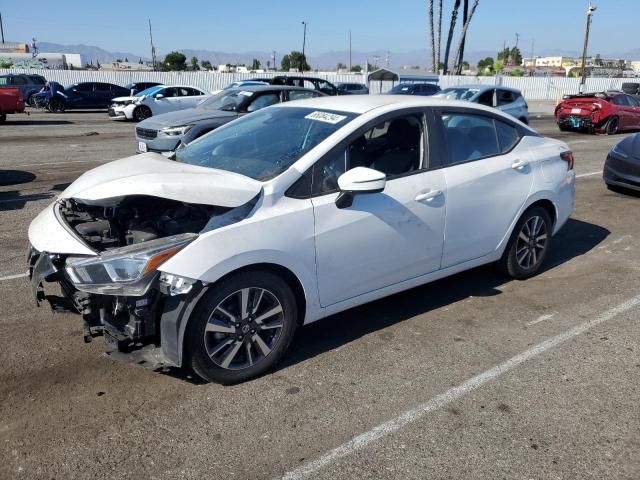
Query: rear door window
column 18, row 80
column 505, row 97
column 301, row 94
column 469, row 137
column 620, row 100
column 508, row 136
column 486, row 98
column 263, row 101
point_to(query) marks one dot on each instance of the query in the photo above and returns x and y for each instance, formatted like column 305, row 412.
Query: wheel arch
column 178, row 311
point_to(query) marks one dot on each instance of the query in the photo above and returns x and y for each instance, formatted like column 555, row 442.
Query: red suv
column 606, row 112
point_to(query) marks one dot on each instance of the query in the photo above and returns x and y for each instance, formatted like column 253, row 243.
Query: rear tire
column 142, row 113
column 241, row 327
column 612, row 126
column 528, row 245
column 56, row 106
column 563, row 128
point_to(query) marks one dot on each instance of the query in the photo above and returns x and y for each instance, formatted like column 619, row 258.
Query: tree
column 371, row 67
column 516, row 72
column 118, row 60
column 465, row 65
column 458, row 60
column 6, row 64
column 510, row 56
column 463, row 36
column 356, row 69
column 206, row 65
column 126, row 59
column 294, row 59
column 194, row 63
column 485, row 66
column 439, row 35
column 255, row 64
column 175, row 61
column 498, row 65
column 452, row 26
column 341, row 66
column 140, row 61
column 433, row 37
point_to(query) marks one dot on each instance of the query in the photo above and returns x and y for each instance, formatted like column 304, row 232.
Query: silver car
column 509, row 100
column 165, row 133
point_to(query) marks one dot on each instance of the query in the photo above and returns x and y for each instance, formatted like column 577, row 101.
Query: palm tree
column 458, row 61
column 433, row 38
column 452, row 26
column 463, row 35
column 439, row 36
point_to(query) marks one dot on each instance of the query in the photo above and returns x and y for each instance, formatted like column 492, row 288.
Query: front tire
column 56, row 106
column 142, row 113
column 241, row 328
column 529, row 244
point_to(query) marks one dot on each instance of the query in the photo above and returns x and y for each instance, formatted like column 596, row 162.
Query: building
column 44, row 60
column 126, row 66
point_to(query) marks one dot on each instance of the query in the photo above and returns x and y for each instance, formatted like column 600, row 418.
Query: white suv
column 293, row 213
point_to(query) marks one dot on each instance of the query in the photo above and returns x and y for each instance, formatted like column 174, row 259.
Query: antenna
column 153, row 49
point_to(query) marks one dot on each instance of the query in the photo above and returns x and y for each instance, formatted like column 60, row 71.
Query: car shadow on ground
column 15, row 177
column 36, row 122
column 14, row 200
column 574, row 240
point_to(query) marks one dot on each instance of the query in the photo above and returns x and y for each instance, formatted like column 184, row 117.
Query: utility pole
column 349, row 50
column 387, row 59
column 583, row 80
column 1, row 29
column 273, row 58
column 153, row 49
column 304, row 41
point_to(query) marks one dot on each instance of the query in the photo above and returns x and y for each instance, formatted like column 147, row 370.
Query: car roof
column 483, row 88
column 261, row 88
column 360, row 104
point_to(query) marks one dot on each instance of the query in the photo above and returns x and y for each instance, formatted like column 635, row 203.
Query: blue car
column 509, row 100
column 424, row 89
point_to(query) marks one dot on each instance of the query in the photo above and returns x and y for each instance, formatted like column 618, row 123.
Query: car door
column 382, row 238
column 622, row 111
column 102, row 95
column 169, row 101
column 488, row 180
column 81, row 95
column 635, row 107
column 190, row 97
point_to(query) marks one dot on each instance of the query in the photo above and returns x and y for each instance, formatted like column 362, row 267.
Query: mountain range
column 327, row 60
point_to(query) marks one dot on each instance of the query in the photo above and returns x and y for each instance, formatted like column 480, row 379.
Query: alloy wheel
column 244, row 328
column 532, row 242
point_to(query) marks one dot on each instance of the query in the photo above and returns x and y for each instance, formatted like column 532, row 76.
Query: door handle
column 519, row 164
column 428, row 195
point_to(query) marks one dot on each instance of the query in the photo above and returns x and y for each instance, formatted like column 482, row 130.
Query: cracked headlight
column 125, row 271
column 176, row 131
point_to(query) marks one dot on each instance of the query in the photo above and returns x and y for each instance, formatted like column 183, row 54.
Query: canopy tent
column 403, row 76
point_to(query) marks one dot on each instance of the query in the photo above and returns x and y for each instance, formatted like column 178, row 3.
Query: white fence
column 533, row 88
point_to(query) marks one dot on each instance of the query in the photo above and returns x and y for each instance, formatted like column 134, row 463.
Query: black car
column 302, row 81
column 137, row 87
column 27, row 83
column 352, row 89
column 86, row 95
column 622, row 167
column 424, row 89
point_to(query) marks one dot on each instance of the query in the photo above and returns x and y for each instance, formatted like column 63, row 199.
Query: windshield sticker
column 246, row 94
column 326, row 117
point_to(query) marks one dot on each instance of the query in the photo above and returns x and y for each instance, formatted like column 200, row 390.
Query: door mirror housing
column 359, row 180
column 158, row 96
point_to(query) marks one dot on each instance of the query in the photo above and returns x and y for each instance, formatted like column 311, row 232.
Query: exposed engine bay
column 135, row 219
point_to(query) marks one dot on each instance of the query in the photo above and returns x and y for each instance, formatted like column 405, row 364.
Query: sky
column 259, row 25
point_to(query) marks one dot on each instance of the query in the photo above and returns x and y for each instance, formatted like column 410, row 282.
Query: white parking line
column 395, row 424
column 11, row 277
column 541, row 318
column 589, row 174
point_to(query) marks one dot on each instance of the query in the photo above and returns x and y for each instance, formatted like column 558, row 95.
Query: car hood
column 186, row 116
column 124, row 99
column 155, row 175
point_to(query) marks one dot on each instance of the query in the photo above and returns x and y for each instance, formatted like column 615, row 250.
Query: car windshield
column 458, row 93
column 149, row 91
column 228, row 101
column 264, row 144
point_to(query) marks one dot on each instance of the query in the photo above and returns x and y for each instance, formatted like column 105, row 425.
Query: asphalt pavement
column 474, row 376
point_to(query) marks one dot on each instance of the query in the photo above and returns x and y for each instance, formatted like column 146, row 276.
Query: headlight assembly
column 176, row 131
column 125, row 271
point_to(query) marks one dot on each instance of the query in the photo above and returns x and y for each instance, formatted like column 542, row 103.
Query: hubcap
column 244, row 328
column 531, row 243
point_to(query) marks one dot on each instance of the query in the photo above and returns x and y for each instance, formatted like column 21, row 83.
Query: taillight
column 568, row 157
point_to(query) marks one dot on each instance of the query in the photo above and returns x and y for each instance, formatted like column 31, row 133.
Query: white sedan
column 293, row 213
column 155, row 101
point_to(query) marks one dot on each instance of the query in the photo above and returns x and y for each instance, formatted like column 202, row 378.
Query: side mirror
column 359, row 180
column 158, row 96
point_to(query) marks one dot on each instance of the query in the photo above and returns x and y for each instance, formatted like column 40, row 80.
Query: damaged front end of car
column 115, row 283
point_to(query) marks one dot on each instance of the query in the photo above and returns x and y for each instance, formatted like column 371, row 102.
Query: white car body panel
column 155, row 175
column 46, row 234
column 384, row 243
column 157, row 105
